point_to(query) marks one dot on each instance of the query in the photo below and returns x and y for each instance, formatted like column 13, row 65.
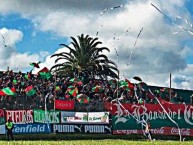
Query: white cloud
column 10, row 57
column 21, row 60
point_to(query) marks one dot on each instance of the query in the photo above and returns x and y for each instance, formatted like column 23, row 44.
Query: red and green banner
column 64, row 105
column 127, row 117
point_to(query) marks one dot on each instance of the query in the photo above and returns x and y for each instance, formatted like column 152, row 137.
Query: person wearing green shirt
column 9, row 127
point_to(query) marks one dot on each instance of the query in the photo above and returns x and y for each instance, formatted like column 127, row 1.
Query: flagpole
column 54, row 90
column 170, row 86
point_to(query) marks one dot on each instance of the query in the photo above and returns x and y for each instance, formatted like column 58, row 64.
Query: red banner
column 64, row 105
column 153, row 107
column 159, row 131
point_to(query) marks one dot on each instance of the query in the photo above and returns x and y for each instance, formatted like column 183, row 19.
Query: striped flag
column 30, row 91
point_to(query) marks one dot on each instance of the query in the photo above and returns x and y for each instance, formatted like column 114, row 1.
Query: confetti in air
column 114, row 38
column 99, row 30
column 105, row 10
column 4, row 40
column 138, row 36
column 175, row 24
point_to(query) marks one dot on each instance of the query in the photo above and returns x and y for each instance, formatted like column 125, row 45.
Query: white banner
column 98, row 117
column 85, row 117
column 74, row 117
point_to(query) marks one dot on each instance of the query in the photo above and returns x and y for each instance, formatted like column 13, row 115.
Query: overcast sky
column 31, row 31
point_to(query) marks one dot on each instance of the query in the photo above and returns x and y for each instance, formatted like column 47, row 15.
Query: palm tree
column 84, row 57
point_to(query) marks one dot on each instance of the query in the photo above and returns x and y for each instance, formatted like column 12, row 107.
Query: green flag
column 45, row 75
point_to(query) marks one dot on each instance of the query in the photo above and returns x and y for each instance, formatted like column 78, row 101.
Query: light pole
column 46, row 112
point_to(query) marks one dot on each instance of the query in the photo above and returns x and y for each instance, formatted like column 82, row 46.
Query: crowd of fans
column 107, row 91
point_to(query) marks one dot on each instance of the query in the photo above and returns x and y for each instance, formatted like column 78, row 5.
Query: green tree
column 84, row 57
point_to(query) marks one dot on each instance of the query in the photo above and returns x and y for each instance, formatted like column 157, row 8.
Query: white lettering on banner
column 188, row 115
column 59, row 104
column 184, row 131
column 131, row 131
column 94, row 129
column 29, row 129
column 20, row 116
column 141, row 111
column 158, row 131
column 53, row 117
column 65, row 128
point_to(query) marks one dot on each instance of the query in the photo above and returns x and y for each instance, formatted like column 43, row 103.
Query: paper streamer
column 173, row 22
column 167, row 115
column 112, row 8
column 134, row 45
column 4, row 40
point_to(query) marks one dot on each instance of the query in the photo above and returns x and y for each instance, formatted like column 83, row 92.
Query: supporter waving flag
column 7, row 91
column 82, row 98
column 57, row 88
column 97, row 89
column 73, row 92
column 45, row 73
column 30, row 91
column 36, row 65
column 27, row 76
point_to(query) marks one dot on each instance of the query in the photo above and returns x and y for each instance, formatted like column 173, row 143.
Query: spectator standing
column 9, row 127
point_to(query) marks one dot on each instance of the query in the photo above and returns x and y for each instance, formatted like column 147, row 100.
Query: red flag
column 130, row 85
column 45, row 69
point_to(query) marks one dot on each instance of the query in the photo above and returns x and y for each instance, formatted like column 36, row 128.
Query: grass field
column 95, row 142
column 92, row 139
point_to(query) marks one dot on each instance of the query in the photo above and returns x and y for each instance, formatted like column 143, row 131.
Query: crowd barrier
column 122, row 119
column 41, row 121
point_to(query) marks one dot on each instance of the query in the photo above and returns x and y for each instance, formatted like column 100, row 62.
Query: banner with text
column 82, row 128
column 41, row 116
column 32, row 128
column 98, row 117
column 128, row 116
column 158, row 131
column 74, row 117
column 64, row 105
column 20, row 116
